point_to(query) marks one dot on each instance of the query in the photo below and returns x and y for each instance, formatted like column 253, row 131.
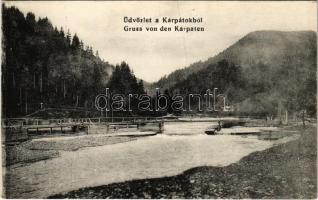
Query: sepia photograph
column 159, row 99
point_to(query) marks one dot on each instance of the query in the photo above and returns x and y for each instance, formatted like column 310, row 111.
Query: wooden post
column 13, row 80
column 303, row 116
column 34, row 80
column 76, row 101
column 64, row 89
column 160, row 127
column 26, row 102
column 41, row 83
column 20, row 95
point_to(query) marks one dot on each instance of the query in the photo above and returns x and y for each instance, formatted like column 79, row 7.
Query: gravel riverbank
column 47, row 148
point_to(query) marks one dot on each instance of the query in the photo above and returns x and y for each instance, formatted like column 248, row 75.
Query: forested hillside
column 44, row 64
column 274, row 70
column 47, row 67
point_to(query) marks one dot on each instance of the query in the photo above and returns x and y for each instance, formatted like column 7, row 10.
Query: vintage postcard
column 159, row 99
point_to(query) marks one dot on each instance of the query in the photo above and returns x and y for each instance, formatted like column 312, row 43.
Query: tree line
column 44, row 66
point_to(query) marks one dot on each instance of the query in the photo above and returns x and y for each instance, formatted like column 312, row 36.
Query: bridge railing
column 34, row 121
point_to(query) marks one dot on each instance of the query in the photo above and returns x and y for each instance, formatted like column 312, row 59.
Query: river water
column 182, row 146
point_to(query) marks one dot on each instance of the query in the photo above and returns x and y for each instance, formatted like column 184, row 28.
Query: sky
column 151, row 55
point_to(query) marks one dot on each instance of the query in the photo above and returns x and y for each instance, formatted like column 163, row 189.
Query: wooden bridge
column 20, row 128
column 33, row 123
column 23, row 127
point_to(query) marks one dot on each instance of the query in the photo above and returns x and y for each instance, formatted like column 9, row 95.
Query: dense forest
column 225, row 76
column 275, row 71
column 47, row 67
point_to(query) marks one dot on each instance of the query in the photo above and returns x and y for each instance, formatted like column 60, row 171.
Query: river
column 182, row 146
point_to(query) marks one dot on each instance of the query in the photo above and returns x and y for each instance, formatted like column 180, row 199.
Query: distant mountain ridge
column 276, row 67
column 269, row 47
column 255, row 39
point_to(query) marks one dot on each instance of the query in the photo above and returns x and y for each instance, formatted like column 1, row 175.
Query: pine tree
column 62, row 34
column 75, row 43
column 81, row 45
column 141, row 88
column 68, row 38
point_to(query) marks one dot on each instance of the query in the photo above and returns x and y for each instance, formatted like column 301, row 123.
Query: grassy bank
column 284, row 171
column 36, row 150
